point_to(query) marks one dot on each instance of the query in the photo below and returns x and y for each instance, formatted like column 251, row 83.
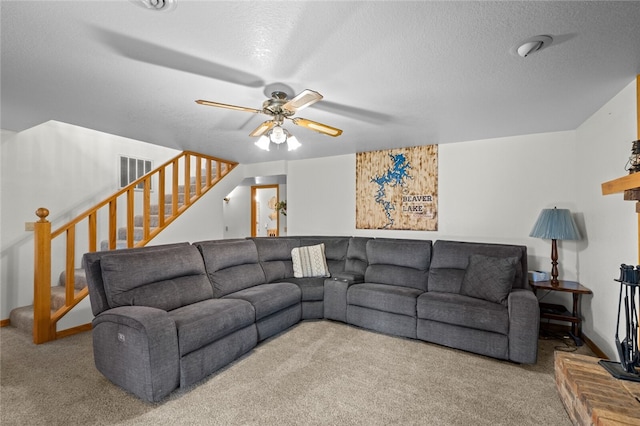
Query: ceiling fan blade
column 354, row 112
column 220, row 105
column 144, row 51
column 302, row 100
column 263, row 128
column 318, row 127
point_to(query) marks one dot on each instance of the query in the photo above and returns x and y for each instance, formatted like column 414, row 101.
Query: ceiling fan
column 281, row 108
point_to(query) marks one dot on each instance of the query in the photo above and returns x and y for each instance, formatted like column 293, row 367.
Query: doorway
column 265, row 220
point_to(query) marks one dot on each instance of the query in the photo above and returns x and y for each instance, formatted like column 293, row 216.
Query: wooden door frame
column 254, row 189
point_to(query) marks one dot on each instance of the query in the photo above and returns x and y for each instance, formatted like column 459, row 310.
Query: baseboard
column 5, row 322
column 596, row 350
column 590, row 344
column 74, row 330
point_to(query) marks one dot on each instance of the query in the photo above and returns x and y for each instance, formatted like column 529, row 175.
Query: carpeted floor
column 318, row 372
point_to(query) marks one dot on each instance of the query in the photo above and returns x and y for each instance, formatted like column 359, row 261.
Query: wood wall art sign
column 397, row 189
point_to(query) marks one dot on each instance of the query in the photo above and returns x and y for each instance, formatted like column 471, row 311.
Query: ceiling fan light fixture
column 278, row 135
column 292, row 143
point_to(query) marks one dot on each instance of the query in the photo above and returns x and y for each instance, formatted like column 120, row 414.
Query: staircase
column 143, row 222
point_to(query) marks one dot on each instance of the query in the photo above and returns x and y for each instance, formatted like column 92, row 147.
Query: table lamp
column 555, row 224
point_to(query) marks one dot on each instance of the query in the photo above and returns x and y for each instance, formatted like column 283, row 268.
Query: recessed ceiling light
column 533, row 45
column 157, row 5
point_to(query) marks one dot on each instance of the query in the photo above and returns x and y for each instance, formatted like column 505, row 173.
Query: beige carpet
column 318, row 372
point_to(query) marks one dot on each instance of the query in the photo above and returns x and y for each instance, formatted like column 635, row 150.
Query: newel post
column 43, row 329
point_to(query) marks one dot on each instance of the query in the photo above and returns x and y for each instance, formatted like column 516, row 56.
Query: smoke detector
column 533, row 45
column 157, row 5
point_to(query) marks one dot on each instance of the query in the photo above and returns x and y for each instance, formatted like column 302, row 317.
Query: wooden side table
column 559, row 312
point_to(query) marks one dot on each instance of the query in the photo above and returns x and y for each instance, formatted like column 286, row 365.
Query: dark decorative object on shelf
column 626, row 369
column 633, row 164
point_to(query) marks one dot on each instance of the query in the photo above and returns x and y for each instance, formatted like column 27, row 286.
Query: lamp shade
column 555, row 224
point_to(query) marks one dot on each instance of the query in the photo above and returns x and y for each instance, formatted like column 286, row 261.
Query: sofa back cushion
column 356, row 261
column 398, row 262
column 93, row 269
column 451, row 258
column 163, row 279
column 232, row 265
column 275, row 256
column 335, row 250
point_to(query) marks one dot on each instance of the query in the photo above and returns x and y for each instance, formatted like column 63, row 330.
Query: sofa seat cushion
column 312, row 288
column 384, row 297
column 205, row 322
column 458, row 309
column 269, row 298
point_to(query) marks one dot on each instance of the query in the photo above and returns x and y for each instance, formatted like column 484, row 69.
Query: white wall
column 493, row 190
column 604, row 145
column 64, row 168
column 237, row 213
column 490, row 190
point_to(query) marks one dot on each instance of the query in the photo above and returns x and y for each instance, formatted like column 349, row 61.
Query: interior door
column 265, row 220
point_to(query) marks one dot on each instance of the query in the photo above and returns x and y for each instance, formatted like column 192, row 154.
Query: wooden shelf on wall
column 621, row 184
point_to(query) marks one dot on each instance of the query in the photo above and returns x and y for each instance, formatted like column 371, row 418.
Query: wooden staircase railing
column 171, row 174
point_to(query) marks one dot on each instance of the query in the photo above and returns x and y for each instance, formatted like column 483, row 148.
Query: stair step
column 169, row 200
column 120, row 244
column 203, row 175
column 192, row 188
column 22, row 318
column 168, row 208
column 138, row 233
column 154, row 220
column 58, row 297
column 80, row 279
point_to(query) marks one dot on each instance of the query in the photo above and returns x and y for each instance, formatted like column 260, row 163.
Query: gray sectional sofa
column 168, row 316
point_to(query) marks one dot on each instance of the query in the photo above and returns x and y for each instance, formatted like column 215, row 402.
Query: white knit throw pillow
column 309, row 261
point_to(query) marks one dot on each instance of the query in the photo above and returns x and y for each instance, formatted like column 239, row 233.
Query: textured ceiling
column 392, row 73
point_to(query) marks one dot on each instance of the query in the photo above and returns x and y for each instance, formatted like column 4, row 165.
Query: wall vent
column 132, row 169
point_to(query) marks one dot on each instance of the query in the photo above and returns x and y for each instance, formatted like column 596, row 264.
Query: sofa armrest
column 136, row 347
column 335, row 294
column 524, row 324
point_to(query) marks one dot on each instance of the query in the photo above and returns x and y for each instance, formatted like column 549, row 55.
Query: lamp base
column 554, row 263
